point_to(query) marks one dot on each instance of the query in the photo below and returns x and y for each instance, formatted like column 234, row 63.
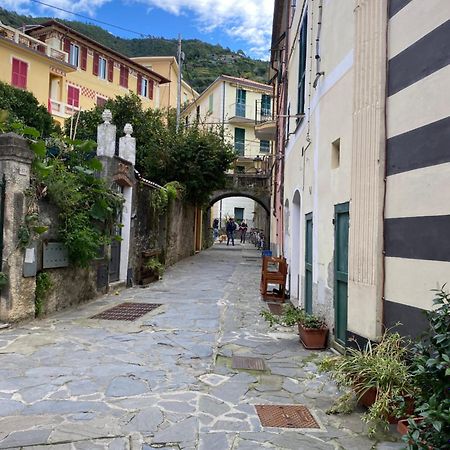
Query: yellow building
column 167, row 66
column 28, row 63
column 68, row 71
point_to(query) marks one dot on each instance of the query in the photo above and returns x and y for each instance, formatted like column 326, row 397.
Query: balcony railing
column 263, row 112
column 240, row 112
column 61, row 109
column 250, row 148
column 23, row 39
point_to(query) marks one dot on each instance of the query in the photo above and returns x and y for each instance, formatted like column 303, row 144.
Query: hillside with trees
column 204, row 62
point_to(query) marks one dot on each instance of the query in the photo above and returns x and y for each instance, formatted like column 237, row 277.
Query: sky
column 238, row 24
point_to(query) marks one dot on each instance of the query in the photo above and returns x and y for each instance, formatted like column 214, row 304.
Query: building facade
column 68, row 71
column 167, row 66
column 360, row 133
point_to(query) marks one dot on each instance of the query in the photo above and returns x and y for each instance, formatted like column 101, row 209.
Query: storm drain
column 247, row 362
column 286, row 416
column 127, row 311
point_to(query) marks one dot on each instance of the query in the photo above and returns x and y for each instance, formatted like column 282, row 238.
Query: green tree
column 195, row 157
column 23, row 106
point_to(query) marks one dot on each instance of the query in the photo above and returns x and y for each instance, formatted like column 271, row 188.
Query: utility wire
column 89, row 18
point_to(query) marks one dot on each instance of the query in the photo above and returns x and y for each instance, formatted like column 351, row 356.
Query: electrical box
column 30, row 262
column 54, row 255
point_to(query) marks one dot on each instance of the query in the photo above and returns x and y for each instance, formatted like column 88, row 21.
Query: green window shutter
column 211, row 103
column 239, row 141
column 264, row 146
column 241, row 98
column 302, row 66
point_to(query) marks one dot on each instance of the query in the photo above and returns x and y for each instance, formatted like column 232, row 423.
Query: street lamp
column 258, row 163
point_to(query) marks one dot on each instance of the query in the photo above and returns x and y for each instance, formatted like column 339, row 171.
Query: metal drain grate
column 127, row 311
column 247, row 362
column 286, row 416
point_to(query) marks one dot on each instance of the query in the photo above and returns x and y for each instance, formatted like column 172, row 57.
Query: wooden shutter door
column 110, row 70
column 150, row 89
column 67, row 46
column 139, row 84
column 83, row 58
column 95, row 65
column 15, row 72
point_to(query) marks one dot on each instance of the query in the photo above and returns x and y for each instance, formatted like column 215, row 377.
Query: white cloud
column 249, row 21
column 86, row 7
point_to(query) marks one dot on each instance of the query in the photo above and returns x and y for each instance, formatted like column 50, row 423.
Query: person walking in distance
column 215, row 229
column 243, row 227
column 231, row 228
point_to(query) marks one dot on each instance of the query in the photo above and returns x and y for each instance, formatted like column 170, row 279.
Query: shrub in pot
column 312, row 329
column 431, row 369
column 380, row 371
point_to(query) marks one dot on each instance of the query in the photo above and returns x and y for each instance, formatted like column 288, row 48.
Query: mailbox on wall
column 54, row 255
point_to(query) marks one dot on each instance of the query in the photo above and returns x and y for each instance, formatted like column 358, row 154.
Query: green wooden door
column 309, row 263
column 341, row 221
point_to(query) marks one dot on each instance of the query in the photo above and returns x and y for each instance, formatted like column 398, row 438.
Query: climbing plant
column 65, row 172
column 43, row 286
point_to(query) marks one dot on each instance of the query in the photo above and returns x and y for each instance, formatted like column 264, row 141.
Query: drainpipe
column 383, row 270
column 319, row 29
column 283, row 141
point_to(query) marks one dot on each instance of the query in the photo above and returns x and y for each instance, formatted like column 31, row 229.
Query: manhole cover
column 127, row 311
column 286, row 416
column 247, row 362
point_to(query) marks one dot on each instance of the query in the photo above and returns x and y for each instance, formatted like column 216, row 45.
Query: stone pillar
column 127, row 145
column 17, row 298
column 106, row 136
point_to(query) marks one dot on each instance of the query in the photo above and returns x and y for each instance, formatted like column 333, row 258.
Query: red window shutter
column 126, row 77
column 95, row 66
column 150, row 89
column 15, row 72
column 83, row 58
column 123, row 76
column 73, row 96
column 23, row 74
column 139, row 84
column 67, row 45
column 110, row 70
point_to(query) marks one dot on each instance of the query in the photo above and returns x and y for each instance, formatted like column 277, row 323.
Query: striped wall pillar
column 417, row 224
column 365, row 288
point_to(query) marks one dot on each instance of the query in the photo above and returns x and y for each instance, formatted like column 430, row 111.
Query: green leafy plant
column 43, row 286
column 292, row 316
column 155, row 266
column 194, row 157
column 24, row 110
column 381, row 367
column 431, row 369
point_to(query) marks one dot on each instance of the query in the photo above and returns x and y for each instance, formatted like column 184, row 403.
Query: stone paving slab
column 165, row 381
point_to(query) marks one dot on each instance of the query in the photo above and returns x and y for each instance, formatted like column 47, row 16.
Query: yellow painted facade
column 167, row 66
column 68, row 72
column 40, row 66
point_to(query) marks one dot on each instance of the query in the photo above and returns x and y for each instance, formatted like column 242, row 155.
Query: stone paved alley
column 165, row 380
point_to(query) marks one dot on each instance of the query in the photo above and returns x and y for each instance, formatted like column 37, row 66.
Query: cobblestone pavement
column 165, row 380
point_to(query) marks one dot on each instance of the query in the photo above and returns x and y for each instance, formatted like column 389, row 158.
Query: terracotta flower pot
column 368, row 399
column 313, row 338
column 402, row 425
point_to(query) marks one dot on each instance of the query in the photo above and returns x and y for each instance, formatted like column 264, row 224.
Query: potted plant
column 431, row 369
column 381, row 378
column 313, row 332
column 312, row 329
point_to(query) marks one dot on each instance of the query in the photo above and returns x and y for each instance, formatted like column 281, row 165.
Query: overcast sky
column 238, row 24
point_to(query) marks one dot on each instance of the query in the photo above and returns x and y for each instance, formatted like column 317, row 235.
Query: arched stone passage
column 220, row 195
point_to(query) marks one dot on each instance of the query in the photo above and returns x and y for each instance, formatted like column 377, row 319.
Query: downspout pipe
column 317, row 56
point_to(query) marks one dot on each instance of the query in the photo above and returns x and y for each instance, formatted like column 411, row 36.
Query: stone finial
column 107, row 116
column 128, row 129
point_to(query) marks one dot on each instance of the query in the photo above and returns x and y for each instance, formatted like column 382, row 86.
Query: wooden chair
column 274, row 271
